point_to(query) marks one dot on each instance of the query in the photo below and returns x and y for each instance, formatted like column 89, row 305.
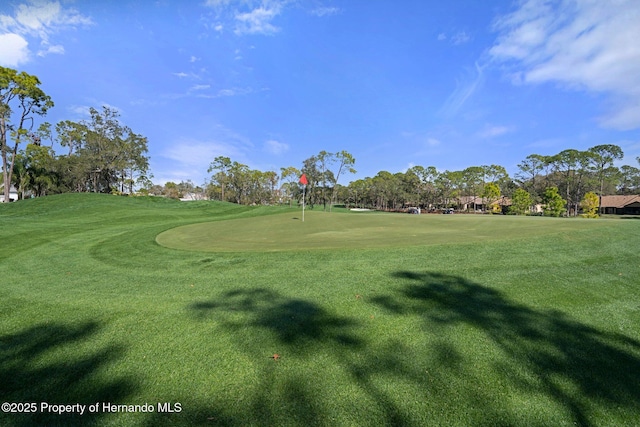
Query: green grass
column 378, row 319
column 324, row 230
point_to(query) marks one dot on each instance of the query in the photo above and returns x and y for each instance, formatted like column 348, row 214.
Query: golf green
column 324, row 230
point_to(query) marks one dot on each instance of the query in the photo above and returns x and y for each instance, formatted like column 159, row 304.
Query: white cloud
column 249, row 17
column 14, row 50
column 57, row 49
column 490, row 131
column 217, row 3
column 258, row 21
column 583, row 45
column 275, row 147
column 190, row 158
column 38, row 20
column 432, row 142
column 460, row 37
column 194, row 154
column 236, row 91
column 442, row 36
column 326, row 11
column 465, row 88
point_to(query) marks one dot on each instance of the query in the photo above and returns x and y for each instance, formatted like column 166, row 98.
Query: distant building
column 193, row 196
column 620, row 205
column 13, row 194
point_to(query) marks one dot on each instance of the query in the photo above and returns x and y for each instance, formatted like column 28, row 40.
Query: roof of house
column 502, row 200
column 619, row 201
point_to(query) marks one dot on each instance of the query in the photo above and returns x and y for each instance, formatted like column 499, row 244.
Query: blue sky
column 269, row 83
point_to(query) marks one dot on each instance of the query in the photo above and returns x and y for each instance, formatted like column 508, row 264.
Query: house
column 620, row 205
column 193, row 196
column 467, row 203
column 13, row 193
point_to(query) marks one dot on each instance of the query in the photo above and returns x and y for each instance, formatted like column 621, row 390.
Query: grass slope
column 526, row 329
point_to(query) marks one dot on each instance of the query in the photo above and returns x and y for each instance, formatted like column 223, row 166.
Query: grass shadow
column 41, row 364
column 575, row 365
column 300, row 329
column 297, row 324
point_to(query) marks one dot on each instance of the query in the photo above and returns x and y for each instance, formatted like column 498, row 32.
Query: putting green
column 323, row 230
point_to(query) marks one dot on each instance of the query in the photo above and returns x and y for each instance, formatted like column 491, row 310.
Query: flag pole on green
column 304, row 182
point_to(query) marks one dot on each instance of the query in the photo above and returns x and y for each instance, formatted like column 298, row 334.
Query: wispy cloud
column 457, row 38
column 186, row 155
column 460, row 37
column 583, row 45
column 465, row 88
column 258, row 21
column 275, row 147
column 433, row 142
column 236, row 91
column 492, row 131
column 326, row 11
column 252, row 17
column 35, row 21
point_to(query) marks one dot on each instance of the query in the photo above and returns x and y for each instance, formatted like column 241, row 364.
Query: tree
column 71, row 134
column 448, row 187
column 104, row 155
column 491, row 193
column 426, row 189
column 345, row 164
column 134, row 164
column 629, row 180
column 473, row 183
column 554, row 203
column 314, row 177
column 590, row 205
column 602, row 158
column 36, row 171
column 21, row 95
column 520, row 202
column 530, row 173
column 222, row 165
column 324, row 159
column 291, row 175
column 572, row 167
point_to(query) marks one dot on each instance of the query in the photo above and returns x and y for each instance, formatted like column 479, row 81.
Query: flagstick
column 304, row 188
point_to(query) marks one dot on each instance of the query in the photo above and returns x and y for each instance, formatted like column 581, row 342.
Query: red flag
column 303, row 179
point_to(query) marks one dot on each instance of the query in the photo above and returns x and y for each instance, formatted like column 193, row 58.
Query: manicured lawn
column 377, row 319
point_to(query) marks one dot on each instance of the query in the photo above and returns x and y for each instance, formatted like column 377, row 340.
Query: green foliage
column 20, row 100
column 555, row 205
column 590, row 205
column 521, row 202
column 491, row 193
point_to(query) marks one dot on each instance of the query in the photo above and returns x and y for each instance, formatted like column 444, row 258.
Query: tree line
column 107, row 156
column 103, row 154
column 564, row 184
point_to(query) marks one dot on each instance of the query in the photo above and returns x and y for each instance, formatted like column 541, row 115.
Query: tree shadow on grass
column 577, row 366
column 43, row 364
column 258, row 319
column 413, row 379
column 298, row 324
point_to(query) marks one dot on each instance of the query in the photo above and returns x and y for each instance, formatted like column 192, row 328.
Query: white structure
column 13, row 194
column 193, row 196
